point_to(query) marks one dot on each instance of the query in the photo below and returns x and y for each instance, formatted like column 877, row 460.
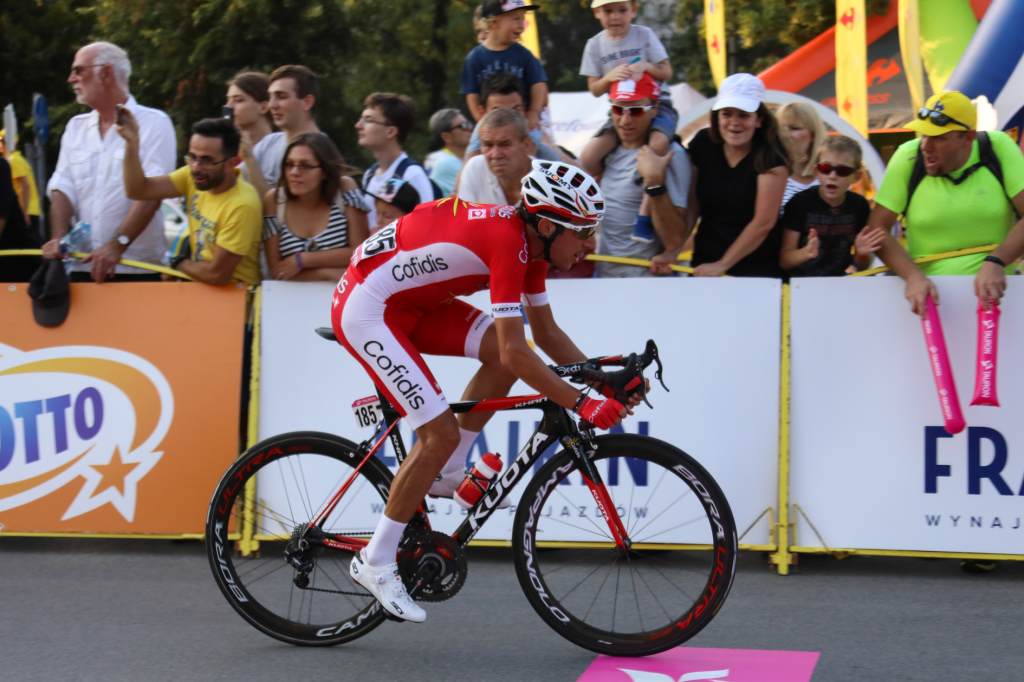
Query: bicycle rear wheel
column 655, row 596
column 298, row 474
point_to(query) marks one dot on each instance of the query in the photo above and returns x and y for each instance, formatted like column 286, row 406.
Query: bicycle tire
column 665, row 564
column 325, row 458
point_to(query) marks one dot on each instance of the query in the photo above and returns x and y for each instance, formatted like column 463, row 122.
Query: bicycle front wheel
column 290, row 479
column 651, row 598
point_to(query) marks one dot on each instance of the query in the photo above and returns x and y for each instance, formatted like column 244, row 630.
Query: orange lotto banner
column 122, row 419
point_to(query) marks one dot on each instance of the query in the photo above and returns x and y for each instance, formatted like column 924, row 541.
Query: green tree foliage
column 765, row 31
column 38, row 40
column 184, row 52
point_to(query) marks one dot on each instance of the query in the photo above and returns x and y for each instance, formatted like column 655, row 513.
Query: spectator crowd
column 758, row 193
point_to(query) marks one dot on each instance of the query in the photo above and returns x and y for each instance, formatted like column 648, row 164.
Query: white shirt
column 414, row 175
column 269, row 153
column 90, row 173
column 479, row 184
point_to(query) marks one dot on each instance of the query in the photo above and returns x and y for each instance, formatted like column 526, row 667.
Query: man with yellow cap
column 24, row 183
column 946, row 186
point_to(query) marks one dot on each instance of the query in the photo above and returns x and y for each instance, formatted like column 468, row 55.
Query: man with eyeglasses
column 225, row 215
column 87, row 184
column 944, row 185
column 386, row 121
column 665, row 179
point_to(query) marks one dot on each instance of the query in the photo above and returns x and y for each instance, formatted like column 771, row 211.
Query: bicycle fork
column 592, row 478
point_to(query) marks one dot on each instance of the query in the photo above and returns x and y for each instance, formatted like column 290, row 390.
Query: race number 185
column 367, row 411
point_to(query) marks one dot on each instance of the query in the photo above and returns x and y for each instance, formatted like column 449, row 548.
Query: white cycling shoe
column 446, row 484
column 386, row 585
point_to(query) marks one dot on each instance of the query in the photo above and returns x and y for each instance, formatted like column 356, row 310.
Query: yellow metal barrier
column 247, row 545
column 131, row 263
column 782, row 558
column 934, row 257
column 634, row 261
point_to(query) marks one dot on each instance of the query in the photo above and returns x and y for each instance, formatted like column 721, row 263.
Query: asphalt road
column 111, row 610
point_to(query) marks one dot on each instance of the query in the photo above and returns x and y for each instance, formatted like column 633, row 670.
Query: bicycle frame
column 555, row 425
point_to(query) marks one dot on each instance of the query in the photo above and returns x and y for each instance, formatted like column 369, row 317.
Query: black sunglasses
column 938, row 118
column 465, row 125
column 841, row 171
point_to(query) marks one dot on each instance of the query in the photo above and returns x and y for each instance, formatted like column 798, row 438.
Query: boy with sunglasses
column 821, row 223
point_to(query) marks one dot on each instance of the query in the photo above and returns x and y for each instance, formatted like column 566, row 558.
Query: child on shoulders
column 500, row 51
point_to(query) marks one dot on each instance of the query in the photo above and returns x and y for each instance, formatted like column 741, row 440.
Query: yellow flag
column 851, row 64
column 714, row 33
column 910, row 49
column 529, row 39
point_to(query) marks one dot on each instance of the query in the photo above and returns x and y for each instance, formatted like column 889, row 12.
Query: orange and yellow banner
column 530, row 39
column 714, row 34
column 910, row 49
column 851, row 64
column 122, row 419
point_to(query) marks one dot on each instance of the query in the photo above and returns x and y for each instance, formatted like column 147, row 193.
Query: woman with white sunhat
column 740, row 168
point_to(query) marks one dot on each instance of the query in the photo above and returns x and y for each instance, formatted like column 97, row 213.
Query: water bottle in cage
column 477, row 481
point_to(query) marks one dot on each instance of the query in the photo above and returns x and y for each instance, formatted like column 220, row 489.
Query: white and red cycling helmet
column 564, row 195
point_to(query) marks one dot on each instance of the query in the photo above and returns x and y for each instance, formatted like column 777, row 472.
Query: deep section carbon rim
column 291, row 478
column 635, row 603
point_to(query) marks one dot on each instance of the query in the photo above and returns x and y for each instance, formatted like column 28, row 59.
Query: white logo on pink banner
column 714, row 665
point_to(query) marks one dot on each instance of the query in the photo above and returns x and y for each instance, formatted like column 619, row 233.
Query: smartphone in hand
column 228, row 113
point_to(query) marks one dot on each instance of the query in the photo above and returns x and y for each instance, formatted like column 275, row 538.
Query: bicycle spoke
column 573, row 563
column 669, row 581
column 578, row 509
column 610, row 569
column 580, row 528
column 662, row 532
column 636, row 597
column 615, row 601
column 644, row 581
column 683, row 496
column 579, row 583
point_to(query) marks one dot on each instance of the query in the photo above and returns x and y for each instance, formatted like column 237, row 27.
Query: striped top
column 792, row 187
column 335, row 236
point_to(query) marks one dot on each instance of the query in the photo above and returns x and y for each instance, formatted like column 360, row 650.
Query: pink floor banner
column 686, row 664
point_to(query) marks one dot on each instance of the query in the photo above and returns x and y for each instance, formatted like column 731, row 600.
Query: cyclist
column 398, row 300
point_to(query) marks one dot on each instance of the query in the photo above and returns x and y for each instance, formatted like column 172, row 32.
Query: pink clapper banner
column 939, row 357
column 686, row 664
column 988, row 341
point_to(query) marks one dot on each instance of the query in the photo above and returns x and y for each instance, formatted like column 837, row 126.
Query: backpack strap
column 916, row 176
column 368, row 175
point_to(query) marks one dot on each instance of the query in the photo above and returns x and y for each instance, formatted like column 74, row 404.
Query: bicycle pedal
column 391, row 616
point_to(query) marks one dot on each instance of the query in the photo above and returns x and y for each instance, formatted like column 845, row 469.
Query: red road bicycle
column 657, row 565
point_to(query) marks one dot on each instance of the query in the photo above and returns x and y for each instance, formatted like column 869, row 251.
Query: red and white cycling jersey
column 398, row 296
column 450, row 248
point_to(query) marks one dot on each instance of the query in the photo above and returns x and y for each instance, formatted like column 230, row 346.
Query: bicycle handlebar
column 623, row 383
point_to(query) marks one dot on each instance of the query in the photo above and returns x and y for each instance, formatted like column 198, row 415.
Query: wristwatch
column 122, row 239
column 655, row 191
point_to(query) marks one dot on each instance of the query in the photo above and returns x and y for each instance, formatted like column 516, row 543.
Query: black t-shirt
column 15, row 234
column 727, row 199
column 837, row 230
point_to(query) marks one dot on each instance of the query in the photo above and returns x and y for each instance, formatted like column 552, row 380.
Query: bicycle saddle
column 327, row 333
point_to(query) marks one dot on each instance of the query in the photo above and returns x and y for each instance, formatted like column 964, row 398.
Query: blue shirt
column 482, row 62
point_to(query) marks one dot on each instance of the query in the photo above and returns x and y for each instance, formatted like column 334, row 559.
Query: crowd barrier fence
column 777, row 527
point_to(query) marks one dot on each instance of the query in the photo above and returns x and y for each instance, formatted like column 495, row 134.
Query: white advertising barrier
column 719, row 341
column 871, row 464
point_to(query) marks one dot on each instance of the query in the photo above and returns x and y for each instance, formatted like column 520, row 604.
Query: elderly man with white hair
column 88, row 183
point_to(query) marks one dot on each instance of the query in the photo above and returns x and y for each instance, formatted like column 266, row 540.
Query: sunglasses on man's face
column 632, row 111
column 465, row 125
column 938, row 118
column 841, row 171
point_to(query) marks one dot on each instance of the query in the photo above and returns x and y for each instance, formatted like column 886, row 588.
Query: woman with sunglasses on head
column 315, row 217
column 740, row 168
column 802, row 132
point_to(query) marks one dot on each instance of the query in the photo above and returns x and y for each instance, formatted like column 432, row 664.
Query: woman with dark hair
column 740, row 168
column 249, row 99
column 316, row 216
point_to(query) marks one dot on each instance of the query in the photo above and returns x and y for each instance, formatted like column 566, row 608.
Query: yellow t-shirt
column 21, row 169
column 232, row 220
